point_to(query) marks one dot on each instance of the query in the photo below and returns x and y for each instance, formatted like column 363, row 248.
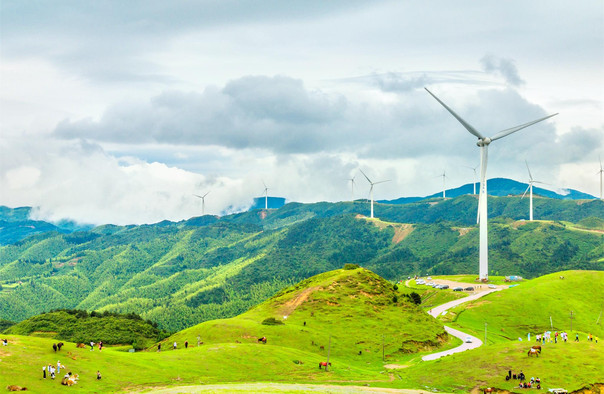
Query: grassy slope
column 222, row 359
column 514, row 312
column 335, row 303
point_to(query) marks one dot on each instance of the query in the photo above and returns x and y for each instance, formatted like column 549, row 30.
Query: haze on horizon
column 116, row 112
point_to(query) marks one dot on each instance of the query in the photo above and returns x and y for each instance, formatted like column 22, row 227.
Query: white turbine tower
column 483, row 142
column 475, row 176
column 371, row 189
column 265, row 196
column 352, row 188
column 203, row 202
column 600, row 172
column 530, row 190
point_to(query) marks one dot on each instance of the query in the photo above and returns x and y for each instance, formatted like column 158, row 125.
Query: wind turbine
column 475, row 176
column 444, row 187
column 352, row 188
column 600, row 172
column 203, row 202
column 371, row 189
column 265, row 196
column 530, row 190
column 483, row 142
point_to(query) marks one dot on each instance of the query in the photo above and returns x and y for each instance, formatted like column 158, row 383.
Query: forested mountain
column 180, row 274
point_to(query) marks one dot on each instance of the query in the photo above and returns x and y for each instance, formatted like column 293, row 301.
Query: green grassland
column 356, row 309
column 515, row 312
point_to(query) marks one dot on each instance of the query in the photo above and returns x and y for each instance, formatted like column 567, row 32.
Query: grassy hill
column 361, row 312
column 515, row 312
column 354, row 307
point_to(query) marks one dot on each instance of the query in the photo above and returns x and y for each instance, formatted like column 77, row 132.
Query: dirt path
column 281, row 388
column 292, row 304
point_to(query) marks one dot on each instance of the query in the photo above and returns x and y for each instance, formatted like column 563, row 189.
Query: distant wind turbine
column 530, row 190
column 444, row 175
column 475, row 176
column 600, row 172
column 483, row 142
column 352, row 188
column 265, row 196
column 371, row 189
column 203, row 202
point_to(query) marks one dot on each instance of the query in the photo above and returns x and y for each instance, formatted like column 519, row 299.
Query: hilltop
column 355, row 310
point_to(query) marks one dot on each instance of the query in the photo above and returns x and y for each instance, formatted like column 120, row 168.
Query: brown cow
column 537, row 347
column 81, row 345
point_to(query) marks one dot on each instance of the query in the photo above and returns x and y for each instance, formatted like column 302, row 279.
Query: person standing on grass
column 174, row 346
column 186, row 344
column 44, row 372
column 91, row 346
column 98, row 375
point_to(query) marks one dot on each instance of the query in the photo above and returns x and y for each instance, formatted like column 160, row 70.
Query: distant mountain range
column 16, row 223
column 498, row 187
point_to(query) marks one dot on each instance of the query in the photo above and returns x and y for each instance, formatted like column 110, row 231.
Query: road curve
column 436, row 311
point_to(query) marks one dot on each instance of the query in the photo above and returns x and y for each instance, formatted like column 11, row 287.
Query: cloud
column 501, row 66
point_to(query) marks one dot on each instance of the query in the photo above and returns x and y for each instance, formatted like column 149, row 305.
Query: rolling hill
column 180, row 274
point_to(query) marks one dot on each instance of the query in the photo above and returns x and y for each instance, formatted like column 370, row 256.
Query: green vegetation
column 528, row 307
column 79, row 326
column 345, row 311
column 181, row 274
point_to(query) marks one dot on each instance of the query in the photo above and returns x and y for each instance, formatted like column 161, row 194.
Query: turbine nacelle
column 483, row 142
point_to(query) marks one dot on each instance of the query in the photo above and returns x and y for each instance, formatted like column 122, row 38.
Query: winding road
column 437, row 311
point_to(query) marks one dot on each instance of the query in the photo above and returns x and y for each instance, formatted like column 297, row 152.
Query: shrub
column 349, row 266
column 271, row 321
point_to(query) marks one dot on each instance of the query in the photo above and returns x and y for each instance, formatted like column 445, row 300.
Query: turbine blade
column 506, row 132
column 529, row 170
column 206, row 194
column 465, row 124
column 366, row 177
column 527, row 189
column 197, row 196
column 387, row 180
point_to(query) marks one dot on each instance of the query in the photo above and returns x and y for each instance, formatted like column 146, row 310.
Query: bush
column 271, row 321
column 349, row 266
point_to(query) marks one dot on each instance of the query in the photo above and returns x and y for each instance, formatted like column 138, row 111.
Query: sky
column 119, row 112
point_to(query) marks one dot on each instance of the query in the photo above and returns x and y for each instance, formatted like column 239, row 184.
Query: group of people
column 175, row 344
column 100, row 344
column 51, row 371
column 547, row 337
column 524, row 384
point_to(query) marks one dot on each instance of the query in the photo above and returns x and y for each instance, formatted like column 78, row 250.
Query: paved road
column 281, row 388
column 456, row 333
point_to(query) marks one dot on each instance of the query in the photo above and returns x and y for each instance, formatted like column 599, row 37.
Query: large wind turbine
column 483, row 142
column 475, row 176
column 203, row 202
column 371, row 189
column 600, row 172
column 530, row 190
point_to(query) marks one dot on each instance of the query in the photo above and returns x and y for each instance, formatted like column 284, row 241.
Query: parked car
column 458, row 289
column 429, row 278
column 469, row 288
column 491, row 286
column 468, row 339
column 442, row 287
